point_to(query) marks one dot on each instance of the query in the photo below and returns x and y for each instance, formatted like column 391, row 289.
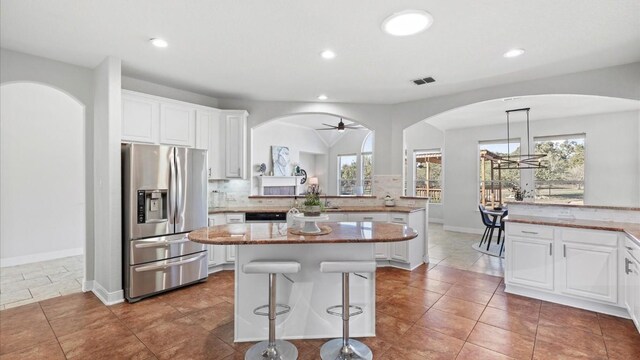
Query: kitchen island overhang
column 312, row 291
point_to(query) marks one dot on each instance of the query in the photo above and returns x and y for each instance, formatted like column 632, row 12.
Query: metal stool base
column 284, row 351
column 332, row 350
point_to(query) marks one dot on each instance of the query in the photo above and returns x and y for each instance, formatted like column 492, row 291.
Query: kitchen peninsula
column 311, row 291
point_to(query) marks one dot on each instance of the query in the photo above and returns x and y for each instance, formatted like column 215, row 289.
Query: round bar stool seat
column 346, row 348
column 272, row 349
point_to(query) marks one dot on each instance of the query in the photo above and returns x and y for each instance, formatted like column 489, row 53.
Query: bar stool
column 345, row 348
column 272, row 349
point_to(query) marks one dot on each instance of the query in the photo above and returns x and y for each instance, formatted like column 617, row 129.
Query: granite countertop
column 631, row 229
column 276, row 233
column 377, row 208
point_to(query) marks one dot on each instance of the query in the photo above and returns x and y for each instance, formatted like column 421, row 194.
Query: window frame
column 339, row 173
column 478, row 184
column 414, row 165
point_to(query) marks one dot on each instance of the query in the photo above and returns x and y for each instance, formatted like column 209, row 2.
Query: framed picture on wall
column 281, row 160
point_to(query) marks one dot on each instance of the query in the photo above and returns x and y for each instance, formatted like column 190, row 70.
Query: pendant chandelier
column 522, row 161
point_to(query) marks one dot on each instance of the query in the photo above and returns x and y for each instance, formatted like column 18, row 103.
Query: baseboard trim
column 51, row 255
column 107, row 298
column 463, row 229
column 436, row 221
column 569, row 301
column 221, row 267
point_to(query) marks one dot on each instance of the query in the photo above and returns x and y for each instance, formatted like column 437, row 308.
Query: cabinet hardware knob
column 550, row 249
column 564, row 250
column 529, row 232
column 627, row 262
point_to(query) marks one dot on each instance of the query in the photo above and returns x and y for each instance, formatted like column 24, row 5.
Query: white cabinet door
column 217, row 253
column 140, row 118
column 177, row 125
column 589, row 271
column 530, row 262
column 399, row 250
column 203, row 120
column 235, row 124
column 632, row 288
column 231, row 253
column 382, row 251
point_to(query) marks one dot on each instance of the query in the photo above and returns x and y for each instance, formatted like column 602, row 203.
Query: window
column 562, row 181
column 495, row 185
column 367, row 164
column 347, row 174
column 427, row 178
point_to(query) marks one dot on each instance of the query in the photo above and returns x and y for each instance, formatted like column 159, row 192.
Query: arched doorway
column 43, row 215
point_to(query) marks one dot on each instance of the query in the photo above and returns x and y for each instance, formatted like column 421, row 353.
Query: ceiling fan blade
column 331, row 126
column 354, row 127
column 326, row 129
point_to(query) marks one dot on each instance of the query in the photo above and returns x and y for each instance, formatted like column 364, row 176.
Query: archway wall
column 374, row 117
column 42, row 128
column 78, row 83
column 619, row 81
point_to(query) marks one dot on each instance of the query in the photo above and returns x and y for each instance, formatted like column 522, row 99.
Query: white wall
column 611, row 162
column 151, row 88
column 108, row 190
column 42, row 215
column 423, row 136
column 296, row 138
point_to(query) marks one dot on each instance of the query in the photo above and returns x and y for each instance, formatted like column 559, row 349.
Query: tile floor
column 29, row 283
column 439, row 312
column 453, row 249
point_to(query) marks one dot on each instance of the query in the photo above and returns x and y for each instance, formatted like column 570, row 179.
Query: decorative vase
column 312, row 210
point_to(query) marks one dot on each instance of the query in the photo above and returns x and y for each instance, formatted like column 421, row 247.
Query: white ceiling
column 315, row 121
column 269, row 50
column 542, row 107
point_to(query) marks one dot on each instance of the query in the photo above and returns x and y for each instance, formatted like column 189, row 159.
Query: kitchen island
column 311, row 291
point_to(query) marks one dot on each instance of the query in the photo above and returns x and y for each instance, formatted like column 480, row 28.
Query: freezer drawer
column 160, row 248
column 158, row 276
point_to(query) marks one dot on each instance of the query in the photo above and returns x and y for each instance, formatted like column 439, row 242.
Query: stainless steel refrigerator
column 164, row 198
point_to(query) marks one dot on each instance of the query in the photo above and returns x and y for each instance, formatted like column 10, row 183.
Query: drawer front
column 163, row 275
column 398, row 218
column 368, row 217
column 591, row 237
column 164, row 247
column 235, row 218
column 531, row 231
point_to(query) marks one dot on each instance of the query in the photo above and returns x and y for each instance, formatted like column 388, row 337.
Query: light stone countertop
column 277, row 233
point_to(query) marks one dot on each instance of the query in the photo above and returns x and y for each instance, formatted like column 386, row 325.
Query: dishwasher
column 262, row 217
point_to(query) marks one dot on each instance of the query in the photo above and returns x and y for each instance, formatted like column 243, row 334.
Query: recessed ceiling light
column 161, row 43
column 407, row 22
column 322, row 97
column 513, row 53
column 328, row 54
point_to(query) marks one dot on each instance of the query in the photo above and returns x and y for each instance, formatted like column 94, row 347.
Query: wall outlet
column 411, row 203
column 361, row 201
column 269, row 202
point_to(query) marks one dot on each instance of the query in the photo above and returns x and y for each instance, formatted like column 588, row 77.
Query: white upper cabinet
column 155, row 120
column 140, row 117
column 177, row 125
column 235, row 127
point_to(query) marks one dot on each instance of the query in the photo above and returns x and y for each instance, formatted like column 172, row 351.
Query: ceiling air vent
column 423, row 81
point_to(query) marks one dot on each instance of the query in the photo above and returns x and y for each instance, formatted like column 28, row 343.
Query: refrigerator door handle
column 179, row 192
column 172, row 188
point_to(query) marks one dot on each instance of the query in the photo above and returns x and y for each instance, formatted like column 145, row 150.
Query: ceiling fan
column 341, row 127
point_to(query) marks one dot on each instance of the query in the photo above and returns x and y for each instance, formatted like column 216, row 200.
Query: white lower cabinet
column 530, row 262
column 230, row 253
column 631, row 280
column 407, row 254
column 576, row 267
column 589, row 271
